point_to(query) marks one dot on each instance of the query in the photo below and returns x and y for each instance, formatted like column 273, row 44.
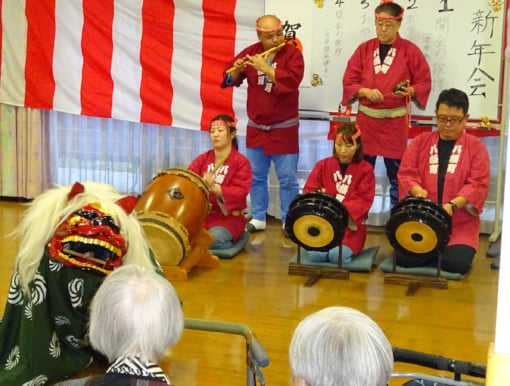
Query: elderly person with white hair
column 135, row 317
column 340, row 346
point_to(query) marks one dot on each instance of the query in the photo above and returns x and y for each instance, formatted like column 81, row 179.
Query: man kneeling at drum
column 451, row 168
column 350, row 179
column 227, row 174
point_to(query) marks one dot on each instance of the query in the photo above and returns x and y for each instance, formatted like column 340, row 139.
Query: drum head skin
column 168, row 237
column 419, row 227
column 316, row 221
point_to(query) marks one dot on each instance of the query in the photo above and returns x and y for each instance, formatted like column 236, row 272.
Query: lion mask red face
column 90, row 238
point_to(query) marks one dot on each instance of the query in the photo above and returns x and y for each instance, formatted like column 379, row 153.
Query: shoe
column 255, row 225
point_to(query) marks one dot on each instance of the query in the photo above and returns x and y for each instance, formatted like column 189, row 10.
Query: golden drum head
column 168, row 238
column 418, row 227
column 316, row 221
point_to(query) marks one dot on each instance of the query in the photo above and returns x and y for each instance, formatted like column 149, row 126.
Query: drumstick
column 84, row 255
column 264, row 53
column 220, row 201
column 216, row 167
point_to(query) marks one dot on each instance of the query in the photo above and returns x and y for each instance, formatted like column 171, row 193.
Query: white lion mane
column 45, row 213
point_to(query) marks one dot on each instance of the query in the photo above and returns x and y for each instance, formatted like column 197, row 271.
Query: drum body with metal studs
column 419, row 227
column 172, row 211
column 316, row 221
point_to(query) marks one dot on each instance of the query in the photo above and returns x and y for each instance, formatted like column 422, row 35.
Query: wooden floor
column 255, row 289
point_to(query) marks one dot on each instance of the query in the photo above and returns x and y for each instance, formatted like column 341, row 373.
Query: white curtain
column 128, row 155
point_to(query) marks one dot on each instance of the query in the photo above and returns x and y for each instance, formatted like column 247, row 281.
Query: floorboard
column 254, row 288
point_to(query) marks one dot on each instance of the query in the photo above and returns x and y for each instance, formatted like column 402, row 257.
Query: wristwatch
column 453, row 205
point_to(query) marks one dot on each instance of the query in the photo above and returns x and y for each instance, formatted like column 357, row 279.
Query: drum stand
column 315, row 272
column 199, row 256
column 413, row 282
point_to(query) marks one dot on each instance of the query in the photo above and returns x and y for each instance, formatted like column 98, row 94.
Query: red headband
column 221, row 122
column 355, row 136
column 269, row 30
column 381, row 17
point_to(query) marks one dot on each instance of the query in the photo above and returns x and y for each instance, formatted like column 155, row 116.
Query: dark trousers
column 456, row 259
column 392, row 166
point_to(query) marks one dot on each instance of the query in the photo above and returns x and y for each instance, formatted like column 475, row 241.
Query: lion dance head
column 87, row 225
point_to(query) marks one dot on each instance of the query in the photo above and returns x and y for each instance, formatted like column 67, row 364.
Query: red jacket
column 468, row 176
column 234, row 176
column 355, row 190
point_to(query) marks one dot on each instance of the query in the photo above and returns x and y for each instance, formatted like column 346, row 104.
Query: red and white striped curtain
column 154, row 66
column 150, row 61
column 140, row 61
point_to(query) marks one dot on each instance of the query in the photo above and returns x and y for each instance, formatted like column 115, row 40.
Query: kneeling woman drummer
column 350, row 179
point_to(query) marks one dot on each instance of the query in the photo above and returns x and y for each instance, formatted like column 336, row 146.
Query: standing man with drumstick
column 384, row 74
column 273, row 71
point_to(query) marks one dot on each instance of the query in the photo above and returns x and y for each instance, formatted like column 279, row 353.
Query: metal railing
column 256, row 356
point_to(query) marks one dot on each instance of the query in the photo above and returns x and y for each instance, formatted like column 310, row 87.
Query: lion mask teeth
column 89, row 239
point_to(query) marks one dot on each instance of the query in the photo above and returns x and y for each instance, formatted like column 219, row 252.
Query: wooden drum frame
column 172, row 211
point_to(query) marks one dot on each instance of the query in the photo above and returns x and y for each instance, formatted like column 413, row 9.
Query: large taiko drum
column 172, row 210
column 419, row 227
column 316, row 221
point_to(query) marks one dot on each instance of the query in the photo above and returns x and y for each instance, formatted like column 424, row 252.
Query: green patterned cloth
column 42, row 336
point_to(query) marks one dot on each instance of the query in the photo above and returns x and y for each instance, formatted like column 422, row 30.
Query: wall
column 462, row 41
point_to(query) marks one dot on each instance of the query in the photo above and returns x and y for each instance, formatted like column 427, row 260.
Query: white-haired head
column 340, row 346
column 135, row 313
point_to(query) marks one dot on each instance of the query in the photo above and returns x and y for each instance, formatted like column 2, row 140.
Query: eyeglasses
column 386, row 24
column 452, row 120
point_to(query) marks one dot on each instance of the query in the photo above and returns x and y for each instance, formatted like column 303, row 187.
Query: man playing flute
column 273, row 76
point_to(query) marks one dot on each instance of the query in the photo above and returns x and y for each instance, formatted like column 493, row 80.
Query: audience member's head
column 340, row 346
column 135, row 313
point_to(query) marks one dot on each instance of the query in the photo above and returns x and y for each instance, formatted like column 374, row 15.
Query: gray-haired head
column 135, row 312
column 340, row 346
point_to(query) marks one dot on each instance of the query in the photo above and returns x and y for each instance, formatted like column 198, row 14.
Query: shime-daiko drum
column 316, row 221
column 172, row 211
column 419, row 227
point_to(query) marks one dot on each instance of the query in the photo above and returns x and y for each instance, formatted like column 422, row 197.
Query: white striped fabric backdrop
column 151, row 61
